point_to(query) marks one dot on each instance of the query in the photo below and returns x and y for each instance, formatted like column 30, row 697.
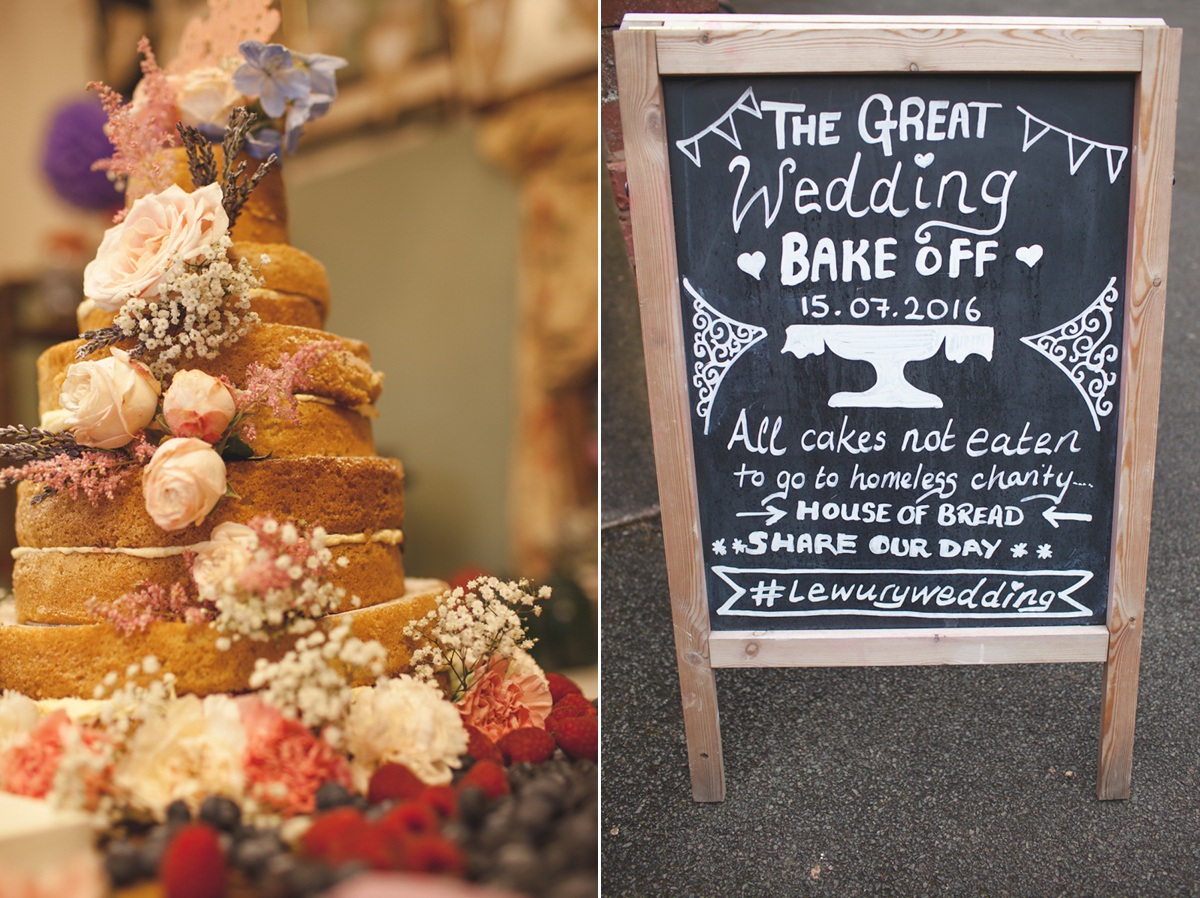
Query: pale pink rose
column 205, row 96
column 198, row 405
column 108, row 401
column 226, row 554
column 497, row 702
column 158, row 229
column 183, row 482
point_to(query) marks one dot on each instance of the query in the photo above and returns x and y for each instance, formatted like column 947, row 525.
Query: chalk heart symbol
column 752, row 263
column 1030, row 255
column 923, row 159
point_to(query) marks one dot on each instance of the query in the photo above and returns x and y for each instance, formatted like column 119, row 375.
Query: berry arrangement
column 521, row 814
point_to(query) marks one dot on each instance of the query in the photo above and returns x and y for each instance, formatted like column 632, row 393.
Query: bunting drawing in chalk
column 724, row 127
column 1116, row 155
column 718, row 343
column 1082, row 350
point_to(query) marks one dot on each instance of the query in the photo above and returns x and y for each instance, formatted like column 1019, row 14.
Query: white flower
column 198, row 405
column 193, row 750
column 160, row 229
column 406, row 721
column 205, row 96
column 18, row 714
column 229, row 551
column 183, row 482
column 109, row 400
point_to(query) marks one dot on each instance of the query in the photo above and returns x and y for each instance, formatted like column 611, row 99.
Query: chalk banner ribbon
column 975, row 594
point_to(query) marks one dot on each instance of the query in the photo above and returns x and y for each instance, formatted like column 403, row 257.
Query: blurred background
column 450, row 192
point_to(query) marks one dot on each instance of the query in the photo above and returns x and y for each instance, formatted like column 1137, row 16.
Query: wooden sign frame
column 651, row 46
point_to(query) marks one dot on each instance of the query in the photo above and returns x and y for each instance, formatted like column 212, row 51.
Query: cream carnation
column 226, row 555
column 159, row 229
column 198, row 405
column 109, row 400
column 205, row 96
column 194, row 749
column 406, row 721
column 18, row 714
column 183, row 482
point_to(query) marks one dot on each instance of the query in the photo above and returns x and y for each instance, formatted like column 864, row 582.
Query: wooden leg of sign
column 1116, row 725
column 1158, row 89
column 702, row 725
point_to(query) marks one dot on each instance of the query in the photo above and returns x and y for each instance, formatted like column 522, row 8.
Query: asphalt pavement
column 907, row 781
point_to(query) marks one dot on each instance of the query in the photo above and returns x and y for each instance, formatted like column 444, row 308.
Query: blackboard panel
column 903, row 299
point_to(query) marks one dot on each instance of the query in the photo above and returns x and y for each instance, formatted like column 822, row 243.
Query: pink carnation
column 496, row 704
column 285, row 763
column 29, row 767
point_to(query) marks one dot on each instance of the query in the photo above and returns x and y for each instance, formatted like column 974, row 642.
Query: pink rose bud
column 159, row 229
column 198, row 405
column 108, row 401
column 183, row 482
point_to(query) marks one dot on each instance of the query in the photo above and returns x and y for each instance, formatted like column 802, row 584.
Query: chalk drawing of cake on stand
column 888, row 348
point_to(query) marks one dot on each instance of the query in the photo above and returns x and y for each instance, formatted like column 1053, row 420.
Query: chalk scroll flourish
column 1083, row 348
column 719, row 341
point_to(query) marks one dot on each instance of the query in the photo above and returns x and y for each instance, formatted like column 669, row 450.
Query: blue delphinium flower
column 322, row 79
column 271, row 74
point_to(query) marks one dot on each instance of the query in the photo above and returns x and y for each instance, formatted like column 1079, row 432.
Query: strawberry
column 569, row 706
column 193, row 866
column 579, row 737
column 334, row 835
column 395, row 781
column 481, row 747
column 442, row 799
column 488, row 777
column 532, row 744
column 560, row 686
column 433, row 854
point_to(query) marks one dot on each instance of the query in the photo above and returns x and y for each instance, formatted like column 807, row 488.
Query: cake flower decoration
column 288, row 85
column 108, row 401
column 198, row 405
column 160, row 230
column 183, row 482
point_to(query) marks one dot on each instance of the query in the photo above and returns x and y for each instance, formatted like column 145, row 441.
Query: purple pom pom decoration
column 75, row 141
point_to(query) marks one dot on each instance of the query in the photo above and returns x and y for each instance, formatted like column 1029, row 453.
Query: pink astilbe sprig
column 97, row 475
column 208, row 41
column 140, row 130
column 277, row 387
column 149, row 602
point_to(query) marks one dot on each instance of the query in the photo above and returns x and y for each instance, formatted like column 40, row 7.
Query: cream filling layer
column 387, row 537
column 367, row 410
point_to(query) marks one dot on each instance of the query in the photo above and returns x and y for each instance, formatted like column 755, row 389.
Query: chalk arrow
column 772, row 514
column 1053, row 515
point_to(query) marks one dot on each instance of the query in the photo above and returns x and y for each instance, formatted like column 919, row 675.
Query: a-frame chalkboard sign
column 902, row 285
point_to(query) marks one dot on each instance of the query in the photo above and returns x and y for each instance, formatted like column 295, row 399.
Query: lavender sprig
column 235, row 186
column 34, row 443
column 106, row 336
column 201, row 164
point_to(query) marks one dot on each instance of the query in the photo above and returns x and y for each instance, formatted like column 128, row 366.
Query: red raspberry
column 433, row 854
column 378, row 848
column 442, row 799
column 481, row 747
column 193, row 865
column 532, row 744
column 579, row 737
column 410, row 818
column 394, row 781
column 488, row 777
column 334, row 835
column 560, row 686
